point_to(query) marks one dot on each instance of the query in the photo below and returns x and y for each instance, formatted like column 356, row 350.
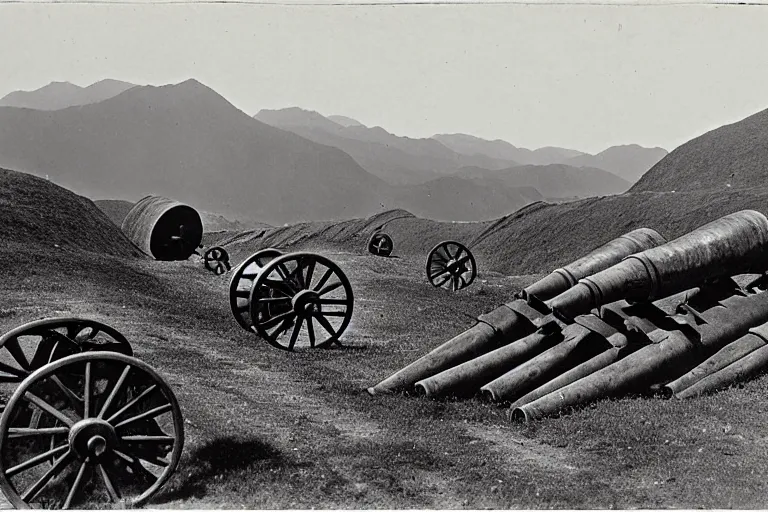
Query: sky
column 584, row 77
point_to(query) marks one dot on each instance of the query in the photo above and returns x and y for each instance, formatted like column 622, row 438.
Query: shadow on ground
column 216, row 459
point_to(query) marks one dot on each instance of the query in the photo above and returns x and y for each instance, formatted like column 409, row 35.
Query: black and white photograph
column 346, row 254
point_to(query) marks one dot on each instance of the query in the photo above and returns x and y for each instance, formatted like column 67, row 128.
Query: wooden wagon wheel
column 242, row 281
column 34, row 344
column 380, row 244
column 217, row 260
column 451, row 265
column 298, row 296
column 109, row 430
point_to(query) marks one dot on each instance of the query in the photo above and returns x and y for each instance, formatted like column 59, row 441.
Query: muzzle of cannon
column 692, row 337
column 734, row 244
column 601, row 258
column 517, row 319
column 745, row 358
column 216, row 260
column 163, row 228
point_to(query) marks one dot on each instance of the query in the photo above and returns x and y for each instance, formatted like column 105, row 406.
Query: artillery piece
column 87, row 422
column 281, row 297
column 451, row 265
column 597, row 328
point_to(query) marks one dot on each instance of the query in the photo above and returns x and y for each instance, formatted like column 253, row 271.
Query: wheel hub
column 305, row 302
column 455, row 267
column 92, row 438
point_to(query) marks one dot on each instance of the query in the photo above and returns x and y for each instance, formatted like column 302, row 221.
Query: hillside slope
column 732, row 156
column 36, row 212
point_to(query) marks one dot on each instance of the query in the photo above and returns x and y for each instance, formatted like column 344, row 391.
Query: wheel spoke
column 115, row 390
column 149, row 439
column 87, row 391
column 295, row 333
column 445, row 280
column 281, row 328
column 29, row 432
column 311, row 332
column 434, row 276
column 310, row 271
column 459, row 250
column 15, row 350
column 275, row 299
column 324, row 279
column 332, row 302
column 36, row 460
column 157, row 411
column 275, row 320
column 45, row 406
column 38, row 486
column 330, row 288
column 76, row 484
column 300, row 274
column 13, row 371
column 132, row 403
column 135, row 464
column 112, row 490
column 325, row 323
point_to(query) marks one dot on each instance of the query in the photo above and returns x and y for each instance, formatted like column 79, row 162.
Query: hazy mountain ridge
column 554, row 180
column 629, row 161
column 60, row 95
column 398, row 160
column 186, row 142
column 174, row 141
column 501, row 149
column 734, row 156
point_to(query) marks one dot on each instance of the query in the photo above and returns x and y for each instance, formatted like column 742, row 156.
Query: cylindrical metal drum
column 163, row 228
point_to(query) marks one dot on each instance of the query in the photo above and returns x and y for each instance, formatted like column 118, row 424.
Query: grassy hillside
column 733, row 156
column 37, row 212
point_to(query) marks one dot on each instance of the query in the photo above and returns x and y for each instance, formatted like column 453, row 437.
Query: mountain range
column 116, row 140
column 58, row 95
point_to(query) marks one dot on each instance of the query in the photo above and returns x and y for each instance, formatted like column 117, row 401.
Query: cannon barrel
column 621, row 348
column 601, row 258
column 670, row 354
column 515, row 319
column 465, row 379
column 738, row 361
column 493, row 329
column 733, row 244
column 579, row 345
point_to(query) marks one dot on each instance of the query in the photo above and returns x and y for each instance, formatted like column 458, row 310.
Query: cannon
column 451, row 265
column 517, row 318
column 86, row 423
column 380, row 244
column 290, row 300
column 610, row 333
column 164, row 229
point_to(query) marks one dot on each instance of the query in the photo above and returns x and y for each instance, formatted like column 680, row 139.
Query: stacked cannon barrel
column 600, row 328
